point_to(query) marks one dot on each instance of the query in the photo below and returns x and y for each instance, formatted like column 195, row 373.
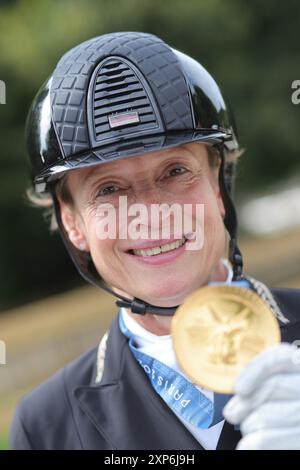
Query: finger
column 280, row 387
column 279, row 358
column 275, row 439
column 273, row 415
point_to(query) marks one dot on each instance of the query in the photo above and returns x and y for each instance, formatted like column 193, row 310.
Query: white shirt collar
column 142, row 336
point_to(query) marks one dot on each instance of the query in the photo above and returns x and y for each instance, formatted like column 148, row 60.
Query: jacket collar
column 145, row 422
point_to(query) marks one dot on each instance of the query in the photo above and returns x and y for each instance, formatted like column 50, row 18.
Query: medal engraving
column 218, row 330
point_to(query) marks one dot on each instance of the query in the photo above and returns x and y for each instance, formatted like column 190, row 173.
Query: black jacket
column 71, row 411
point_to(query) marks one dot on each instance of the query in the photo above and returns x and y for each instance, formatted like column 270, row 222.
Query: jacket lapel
column 125, row 409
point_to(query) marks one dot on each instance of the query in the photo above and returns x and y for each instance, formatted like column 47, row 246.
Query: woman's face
column 179, row 175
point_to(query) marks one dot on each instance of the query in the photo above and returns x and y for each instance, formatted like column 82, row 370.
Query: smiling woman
column 113, row 136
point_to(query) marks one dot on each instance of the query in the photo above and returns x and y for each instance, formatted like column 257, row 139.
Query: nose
column 147, row 192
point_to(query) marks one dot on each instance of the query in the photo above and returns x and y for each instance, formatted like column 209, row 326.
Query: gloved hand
column 266, row 403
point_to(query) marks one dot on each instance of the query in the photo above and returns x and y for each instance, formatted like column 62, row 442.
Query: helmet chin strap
column 230, row 220
column 86, row 267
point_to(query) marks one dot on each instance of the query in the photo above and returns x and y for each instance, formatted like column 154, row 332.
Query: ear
column 73, row 226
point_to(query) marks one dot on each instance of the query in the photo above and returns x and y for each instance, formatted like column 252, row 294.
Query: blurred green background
column 252, row 50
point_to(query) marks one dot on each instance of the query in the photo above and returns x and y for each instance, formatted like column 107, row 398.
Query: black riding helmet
column 121, row 95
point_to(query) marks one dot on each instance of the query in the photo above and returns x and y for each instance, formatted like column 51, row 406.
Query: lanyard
column 178, row 393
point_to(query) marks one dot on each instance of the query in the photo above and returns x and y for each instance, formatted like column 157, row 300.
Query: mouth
column 160, row 254
column 157, row 250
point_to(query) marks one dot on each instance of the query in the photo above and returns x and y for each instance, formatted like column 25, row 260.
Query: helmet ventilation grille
column 119, row 94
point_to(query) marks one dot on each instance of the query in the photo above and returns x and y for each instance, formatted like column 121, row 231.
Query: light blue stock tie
column 179, row 394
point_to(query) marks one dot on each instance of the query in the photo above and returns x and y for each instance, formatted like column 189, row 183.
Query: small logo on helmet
column 123, row 119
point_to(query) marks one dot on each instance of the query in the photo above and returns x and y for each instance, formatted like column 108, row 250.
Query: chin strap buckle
column 136, row 305
column 236, row 260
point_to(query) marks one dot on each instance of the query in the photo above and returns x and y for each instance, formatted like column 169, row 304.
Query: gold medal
column 218, row 330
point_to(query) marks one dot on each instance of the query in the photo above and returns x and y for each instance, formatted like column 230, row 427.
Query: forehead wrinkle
column 142, row 161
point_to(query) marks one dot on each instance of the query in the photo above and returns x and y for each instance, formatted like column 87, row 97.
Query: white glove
column 267, row 400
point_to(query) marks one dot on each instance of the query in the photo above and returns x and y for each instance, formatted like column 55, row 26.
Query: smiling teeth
column 160, row 249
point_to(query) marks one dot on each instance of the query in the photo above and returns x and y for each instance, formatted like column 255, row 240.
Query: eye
column 176, row 171
column 107, row 190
